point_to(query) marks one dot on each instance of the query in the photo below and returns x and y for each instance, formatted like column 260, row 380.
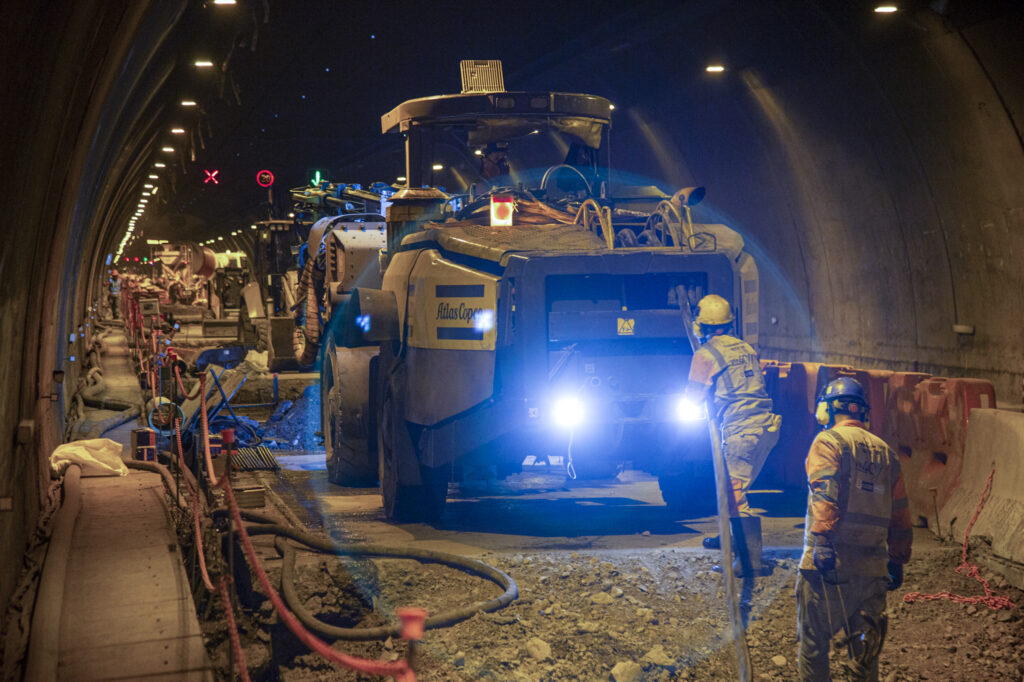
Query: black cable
column 269, row 526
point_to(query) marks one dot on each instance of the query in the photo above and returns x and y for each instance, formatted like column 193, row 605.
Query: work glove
column 824, row 558
column 895, row 575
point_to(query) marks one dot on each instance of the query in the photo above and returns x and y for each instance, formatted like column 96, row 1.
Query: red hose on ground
column 966, row 568
column 181, row 386
column 199, row 543
column 412, row 619
column 399, row 669
column 236, row 645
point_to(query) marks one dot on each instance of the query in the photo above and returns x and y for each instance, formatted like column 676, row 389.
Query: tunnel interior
column 874, row 165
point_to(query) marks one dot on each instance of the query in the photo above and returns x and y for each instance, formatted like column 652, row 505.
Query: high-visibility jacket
column 857, row 500
column 115, row 285
column 731, row 367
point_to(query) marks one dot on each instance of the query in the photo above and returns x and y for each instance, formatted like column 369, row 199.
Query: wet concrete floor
column 536, row 510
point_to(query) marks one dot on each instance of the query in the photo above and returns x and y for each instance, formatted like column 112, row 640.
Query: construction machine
column 265, row 318
column 534, row 308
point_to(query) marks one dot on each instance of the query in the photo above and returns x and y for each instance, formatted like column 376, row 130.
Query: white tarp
column 97, row 457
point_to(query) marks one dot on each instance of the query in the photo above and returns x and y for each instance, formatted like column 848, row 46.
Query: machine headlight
column 689, row 411
column 568, row 412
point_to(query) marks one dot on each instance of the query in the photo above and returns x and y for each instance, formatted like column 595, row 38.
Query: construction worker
column 726, row 370
column 114, row 297
column 856, row 538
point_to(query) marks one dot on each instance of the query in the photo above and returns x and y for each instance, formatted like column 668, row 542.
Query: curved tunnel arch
column 879, row 169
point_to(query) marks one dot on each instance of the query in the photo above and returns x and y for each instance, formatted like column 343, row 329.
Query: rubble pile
column 295, row 425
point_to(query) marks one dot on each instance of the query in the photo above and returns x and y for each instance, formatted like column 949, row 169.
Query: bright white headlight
column 568, row 411
column 689, row 411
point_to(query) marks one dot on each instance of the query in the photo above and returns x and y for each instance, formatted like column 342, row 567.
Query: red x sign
column 211, row 176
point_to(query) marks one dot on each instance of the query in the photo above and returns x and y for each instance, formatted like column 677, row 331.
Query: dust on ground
column 624, row 615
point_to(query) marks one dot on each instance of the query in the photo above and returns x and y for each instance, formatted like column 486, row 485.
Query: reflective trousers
column 820, row 615
column 745, row 451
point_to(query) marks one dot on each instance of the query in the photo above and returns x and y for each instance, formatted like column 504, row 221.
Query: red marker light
column 264, row 178
column 211, row 176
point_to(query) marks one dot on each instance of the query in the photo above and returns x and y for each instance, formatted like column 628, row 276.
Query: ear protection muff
column 822, row 414
column 697, row 331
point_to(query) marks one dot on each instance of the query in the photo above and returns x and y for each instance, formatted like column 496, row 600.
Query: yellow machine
column 536, row 311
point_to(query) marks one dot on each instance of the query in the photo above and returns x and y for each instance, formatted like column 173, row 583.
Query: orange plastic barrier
column 932, row 457
column 923, row 418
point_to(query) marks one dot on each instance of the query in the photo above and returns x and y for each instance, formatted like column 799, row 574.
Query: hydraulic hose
column 165, row 473
column 269, row 526
column 44, row 640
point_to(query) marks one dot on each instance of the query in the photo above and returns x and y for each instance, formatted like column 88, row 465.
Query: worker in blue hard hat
column 726, row 371
column 856, row 538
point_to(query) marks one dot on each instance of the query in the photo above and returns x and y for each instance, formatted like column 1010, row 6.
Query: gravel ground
column 623, row 615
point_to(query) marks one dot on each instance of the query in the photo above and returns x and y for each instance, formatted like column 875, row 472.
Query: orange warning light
column 502, row 208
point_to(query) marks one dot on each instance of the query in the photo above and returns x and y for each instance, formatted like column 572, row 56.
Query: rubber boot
column 747, row 541
column 712, row 542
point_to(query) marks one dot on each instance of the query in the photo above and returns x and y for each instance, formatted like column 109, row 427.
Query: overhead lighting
column 291, row 215
column 177, row 131
column 202, row 63
column 152, row 176
column 478, row 152
column 169, row 150
column 612, row 107
column 188, row 103
column 400, row 178
column 155, row 189
column 145, row 194
column 223, row 2
column 143, row 201
column 148, row 186
column 253, row 226
column 220, row 239
column 886, row 9
column 714, row 68
column 159, row 165
column 437, row 166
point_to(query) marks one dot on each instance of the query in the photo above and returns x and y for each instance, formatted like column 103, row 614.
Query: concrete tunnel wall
column 873, row 163
column 877, row 173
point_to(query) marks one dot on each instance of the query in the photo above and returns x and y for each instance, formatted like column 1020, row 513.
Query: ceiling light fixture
column 188, row 103
column 715, row 68
column 202, row 63
column 169, row 150
column 177, row 131
column 159, row 165
column 886, row 9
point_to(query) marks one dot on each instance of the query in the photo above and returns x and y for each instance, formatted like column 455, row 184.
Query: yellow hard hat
column 714, row 311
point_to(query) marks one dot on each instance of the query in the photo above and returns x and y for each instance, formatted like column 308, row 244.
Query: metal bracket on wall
column 26, row 431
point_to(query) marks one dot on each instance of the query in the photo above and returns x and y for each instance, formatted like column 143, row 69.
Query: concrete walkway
column 127, row 611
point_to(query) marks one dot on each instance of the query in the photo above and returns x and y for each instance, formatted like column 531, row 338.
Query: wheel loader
column 518, row 299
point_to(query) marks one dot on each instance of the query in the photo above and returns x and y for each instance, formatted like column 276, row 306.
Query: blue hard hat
column 842, row 392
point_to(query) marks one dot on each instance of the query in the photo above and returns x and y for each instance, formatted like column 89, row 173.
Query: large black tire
column 404, row 503
column 689, row 492
column 350, row 460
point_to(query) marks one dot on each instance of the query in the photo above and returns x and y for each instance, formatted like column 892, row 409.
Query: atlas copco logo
column 460, row 312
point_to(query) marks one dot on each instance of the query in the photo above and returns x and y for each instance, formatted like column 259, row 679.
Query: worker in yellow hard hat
column 725, row 372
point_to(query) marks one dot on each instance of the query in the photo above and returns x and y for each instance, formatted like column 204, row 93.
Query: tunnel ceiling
column 873, row 162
